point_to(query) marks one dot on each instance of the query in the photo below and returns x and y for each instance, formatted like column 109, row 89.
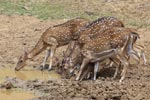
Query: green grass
column 60, row 9
column 48, row 10
column 42, row 10
column 11, row 8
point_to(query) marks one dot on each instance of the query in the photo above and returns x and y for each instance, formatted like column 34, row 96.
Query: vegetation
column 91, row 9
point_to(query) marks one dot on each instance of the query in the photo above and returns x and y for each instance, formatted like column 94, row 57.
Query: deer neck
column 39, row 47
column 30, row 55
column 34, row 52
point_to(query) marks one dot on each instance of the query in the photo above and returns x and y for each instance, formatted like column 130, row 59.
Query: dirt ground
column 17, row 32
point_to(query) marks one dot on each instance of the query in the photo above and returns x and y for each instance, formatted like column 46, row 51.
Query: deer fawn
column 116, row 42
column 52, row 38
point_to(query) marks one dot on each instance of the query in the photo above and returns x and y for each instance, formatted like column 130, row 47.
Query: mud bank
column 136, row 86
column 101, row 89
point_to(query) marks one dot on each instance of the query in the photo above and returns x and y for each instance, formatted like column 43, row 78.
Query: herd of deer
column 92, row 44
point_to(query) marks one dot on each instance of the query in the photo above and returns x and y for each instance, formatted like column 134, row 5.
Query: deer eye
column 21, row 60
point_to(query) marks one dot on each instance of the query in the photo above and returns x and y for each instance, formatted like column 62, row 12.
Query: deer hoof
column 49, row 69
column 145, row 64
column 41, row 68
column 77, row 79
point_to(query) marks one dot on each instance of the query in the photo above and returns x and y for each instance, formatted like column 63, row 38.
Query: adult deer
column 115, row 43
column 52, row 38
column 92, row 30
column 97, row 29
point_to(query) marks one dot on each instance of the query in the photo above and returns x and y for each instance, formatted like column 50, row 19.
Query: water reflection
column 15, row 95
column 28, row 74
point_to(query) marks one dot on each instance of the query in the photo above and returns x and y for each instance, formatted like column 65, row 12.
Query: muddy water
column 28, row 74
column 15, row 95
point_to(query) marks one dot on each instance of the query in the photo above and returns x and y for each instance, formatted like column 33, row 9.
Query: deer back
column 112, row 39
column 98, row 27
column 62, row 33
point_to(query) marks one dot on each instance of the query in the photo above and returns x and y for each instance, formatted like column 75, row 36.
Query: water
column 15, row 95
column 26, row 74
column 29, row 74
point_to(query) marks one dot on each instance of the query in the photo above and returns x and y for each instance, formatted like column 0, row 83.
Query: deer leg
column 85, row 73
column 95, row 70
column 144, row 57
column 125, row 65
column 53, row 49
column 71, row 71
column 70, row 49
column 116, row 70
column 109, row 54
column 134, row 54
column 111, row 64
column 117, row 64
column 84, row 63
column 121, row 56
column 123, row 60
column 46, row 57
column 129, row 49
column 88, row 75
column 141, row 53
column 105, row 54
column 123, row 73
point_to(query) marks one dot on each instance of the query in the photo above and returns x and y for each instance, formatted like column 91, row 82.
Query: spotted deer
column 91, row 31
column 115, row 43
column 76, row 60
column 97, row 27
column 94, row 29
column 73, row 63
column 52, row 38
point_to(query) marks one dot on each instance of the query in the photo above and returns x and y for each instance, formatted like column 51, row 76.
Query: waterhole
column 26, row 74
column 15, row 94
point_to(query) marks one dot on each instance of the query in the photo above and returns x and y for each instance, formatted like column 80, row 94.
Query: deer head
column 22, row 61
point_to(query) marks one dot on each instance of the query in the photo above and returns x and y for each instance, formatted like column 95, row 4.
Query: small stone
column 9, row 85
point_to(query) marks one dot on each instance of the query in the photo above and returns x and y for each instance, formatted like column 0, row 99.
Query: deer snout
column 17, row 69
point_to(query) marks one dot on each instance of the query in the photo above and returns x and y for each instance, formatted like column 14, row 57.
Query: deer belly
column 63, row 41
